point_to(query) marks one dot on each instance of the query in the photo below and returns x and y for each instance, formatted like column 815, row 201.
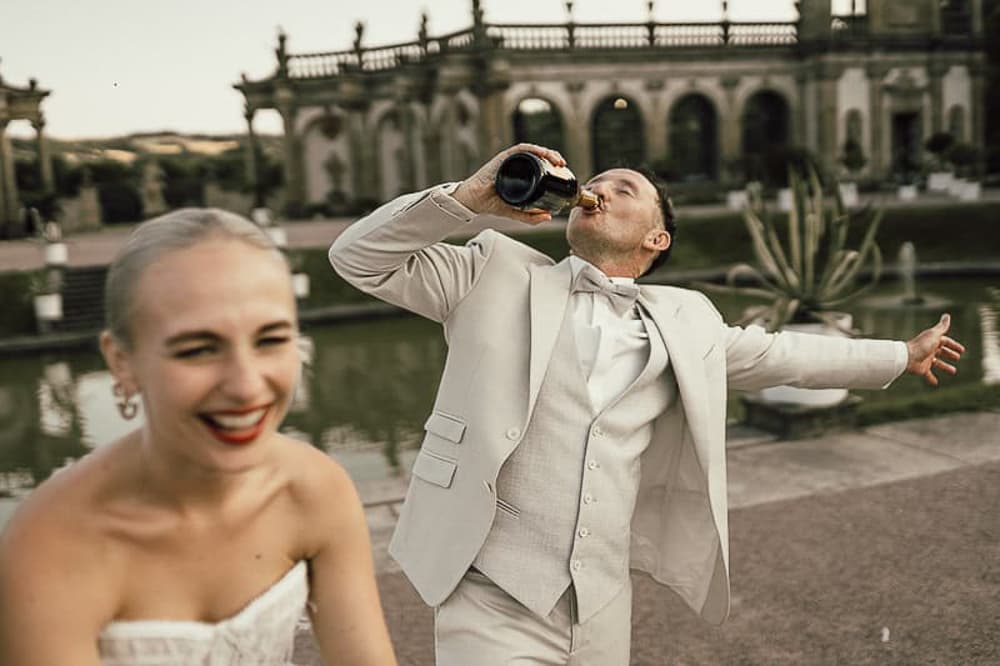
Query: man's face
column 629, row 211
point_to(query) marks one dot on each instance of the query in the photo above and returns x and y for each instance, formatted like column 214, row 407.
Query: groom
column 579, row 427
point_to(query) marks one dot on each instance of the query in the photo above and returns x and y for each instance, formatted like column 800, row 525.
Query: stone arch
column 327, row 155
column 854, row 126
column 693, row 137
column 766, row 133
column 956, row 122
column 536, row 119
column 617, row 133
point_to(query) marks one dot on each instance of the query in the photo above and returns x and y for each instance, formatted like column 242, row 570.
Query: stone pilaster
column 8, row 182
column 294, row 185
column 935, row 73
column 44, row 156
column 826, row 102
column 250, row 160
column 977, row 125
column 729, row 130
column 876, row 73
column 579, row 148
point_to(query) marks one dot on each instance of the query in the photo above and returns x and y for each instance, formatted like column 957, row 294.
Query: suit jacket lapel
column 680, row 338
column 549, row 295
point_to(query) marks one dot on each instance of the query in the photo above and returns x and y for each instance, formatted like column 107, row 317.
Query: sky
column 120, row 66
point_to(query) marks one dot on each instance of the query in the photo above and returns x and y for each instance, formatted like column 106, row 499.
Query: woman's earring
column 128, row 405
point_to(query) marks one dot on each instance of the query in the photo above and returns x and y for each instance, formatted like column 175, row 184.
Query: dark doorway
column 537, row 121
column 694, row 138
column 765, row 136
column 617, row 134
column 906, row 144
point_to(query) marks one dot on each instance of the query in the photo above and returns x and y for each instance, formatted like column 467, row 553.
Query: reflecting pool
column 370, row 385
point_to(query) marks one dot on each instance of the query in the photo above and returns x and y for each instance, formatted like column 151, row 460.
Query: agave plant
column 810, row 272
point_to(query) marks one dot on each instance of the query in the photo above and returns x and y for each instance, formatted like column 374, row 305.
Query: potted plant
column 807, row 271
column 854, row 160
column 940, row 177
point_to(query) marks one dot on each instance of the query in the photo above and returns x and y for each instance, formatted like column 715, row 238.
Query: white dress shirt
column 613, row 350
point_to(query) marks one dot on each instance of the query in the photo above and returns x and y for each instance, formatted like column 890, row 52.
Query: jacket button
column 584, row 532
column 592, row 464
column 513, row 433
column 577, row 565
column 598, row 432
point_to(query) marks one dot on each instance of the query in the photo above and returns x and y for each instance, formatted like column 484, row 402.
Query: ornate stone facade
column 706, row 101
column 18, row 103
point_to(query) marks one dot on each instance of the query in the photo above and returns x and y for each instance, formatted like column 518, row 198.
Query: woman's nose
column 244, row 379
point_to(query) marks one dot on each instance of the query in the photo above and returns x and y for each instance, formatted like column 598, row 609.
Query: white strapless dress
column 262, row 634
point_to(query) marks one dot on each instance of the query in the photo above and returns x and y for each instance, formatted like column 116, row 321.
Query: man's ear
column 118, row 360
column 657, row 239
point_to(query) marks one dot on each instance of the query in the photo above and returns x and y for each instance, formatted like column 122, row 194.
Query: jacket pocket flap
column 445, row 426
column 434, row 470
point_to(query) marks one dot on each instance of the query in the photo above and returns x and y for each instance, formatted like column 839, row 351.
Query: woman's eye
column 194, row 352
column 273, row 340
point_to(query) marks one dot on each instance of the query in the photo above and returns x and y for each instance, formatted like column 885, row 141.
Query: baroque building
column 699, row 101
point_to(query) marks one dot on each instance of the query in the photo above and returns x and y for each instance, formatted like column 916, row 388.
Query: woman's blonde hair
column 156, row 238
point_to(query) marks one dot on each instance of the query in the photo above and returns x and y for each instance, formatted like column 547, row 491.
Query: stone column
column 294, row 191
column 729, row 131
column 250, row 160
column 407, row 169
column 578, row 145
column 44, row 157
column 802, row 110
column 363, row 152
column 8, row 181
column 656, row 122
column 935, row 71
column 827, row 76
column 977, row 103
column 876, row 73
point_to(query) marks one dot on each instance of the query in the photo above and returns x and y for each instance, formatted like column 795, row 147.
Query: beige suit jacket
column 501, row 304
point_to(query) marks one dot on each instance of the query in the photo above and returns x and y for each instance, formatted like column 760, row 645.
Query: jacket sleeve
column 756, row 359
column 396, row 253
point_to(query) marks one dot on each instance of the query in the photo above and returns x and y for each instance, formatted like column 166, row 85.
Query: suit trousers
column 483, row 625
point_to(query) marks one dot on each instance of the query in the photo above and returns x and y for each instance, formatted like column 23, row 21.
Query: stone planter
column 48, row 307
column 971, row 191
column 939, row 181
column 804, row 397
column 56, row 254
column 956, row 186
column 785, row 199
column 907, row 192
column 737, row 200
column 849, row 194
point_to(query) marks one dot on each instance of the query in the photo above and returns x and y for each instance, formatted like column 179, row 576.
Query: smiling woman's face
column 213, row 351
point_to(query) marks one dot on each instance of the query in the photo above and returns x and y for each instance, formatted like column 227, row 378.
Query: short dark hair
column 666, row 212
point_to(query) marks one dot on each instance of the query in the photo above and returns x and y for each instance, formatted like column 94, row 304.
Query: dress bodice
column 261, row 634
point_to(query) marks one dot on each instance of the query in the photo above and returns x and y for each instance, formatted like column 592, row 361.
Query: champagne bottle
column 526, row 181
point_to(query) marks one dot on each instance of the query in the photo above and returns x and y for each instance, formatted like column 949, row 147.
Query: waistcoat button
column 513, row 433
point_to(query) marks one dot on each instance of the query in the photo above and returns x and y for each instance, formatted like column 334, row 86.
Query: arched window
column 956, row 122
column 617, row 136
column 693, row 132
column 765, row 135
column 537, row 121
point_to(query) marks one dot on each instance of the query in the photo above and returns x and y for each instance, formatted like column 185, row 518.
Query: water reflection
column 369, row 387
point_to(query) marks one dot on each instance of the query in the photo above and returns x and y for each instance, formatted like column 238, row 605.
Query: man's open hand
column 478, row 191
column 930, row 349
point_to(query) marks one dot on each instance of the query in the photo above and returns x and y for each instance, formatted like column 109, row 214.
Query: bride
column 202, row 536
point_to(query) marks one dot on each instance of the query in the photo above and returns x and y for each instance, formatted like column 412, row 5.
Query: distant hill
column 128, row 148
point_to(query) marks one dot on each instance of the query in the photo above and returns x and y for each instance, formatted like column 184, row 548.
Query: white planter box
column 785, row 199
column 939, row 181
column 56, row 254
column 803, row 396
column 737, row 199
column 849, row 194
column 971, row 192
column 907, row 192
column 278, row 235
column 300, row 285
column 48, row 307
column 956, row 187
